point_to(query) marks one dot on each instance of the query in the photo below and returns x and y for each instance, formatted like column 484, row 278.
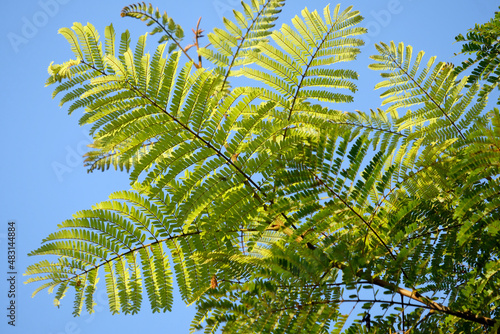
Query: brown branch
column 466, row 315
column 197, row 35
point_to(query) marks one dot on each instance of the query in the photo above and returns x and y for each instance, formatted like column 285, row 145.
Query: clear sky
column 42, row 178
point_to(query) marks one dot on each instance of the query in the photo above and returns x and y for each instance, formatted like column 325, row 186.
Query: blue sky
column 43, row 180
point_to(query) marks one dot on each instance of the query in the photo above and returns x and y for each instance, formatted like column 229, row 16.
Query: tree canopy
column 272, row 208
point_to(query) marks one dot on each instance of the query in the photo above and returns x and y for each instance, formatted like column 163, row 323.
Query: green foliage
column 275, row 212
column 164, row 24
column 482, row 40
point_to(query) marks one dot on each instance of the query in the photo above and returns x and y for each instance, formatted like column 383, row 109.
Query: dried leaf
column 213, row 282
